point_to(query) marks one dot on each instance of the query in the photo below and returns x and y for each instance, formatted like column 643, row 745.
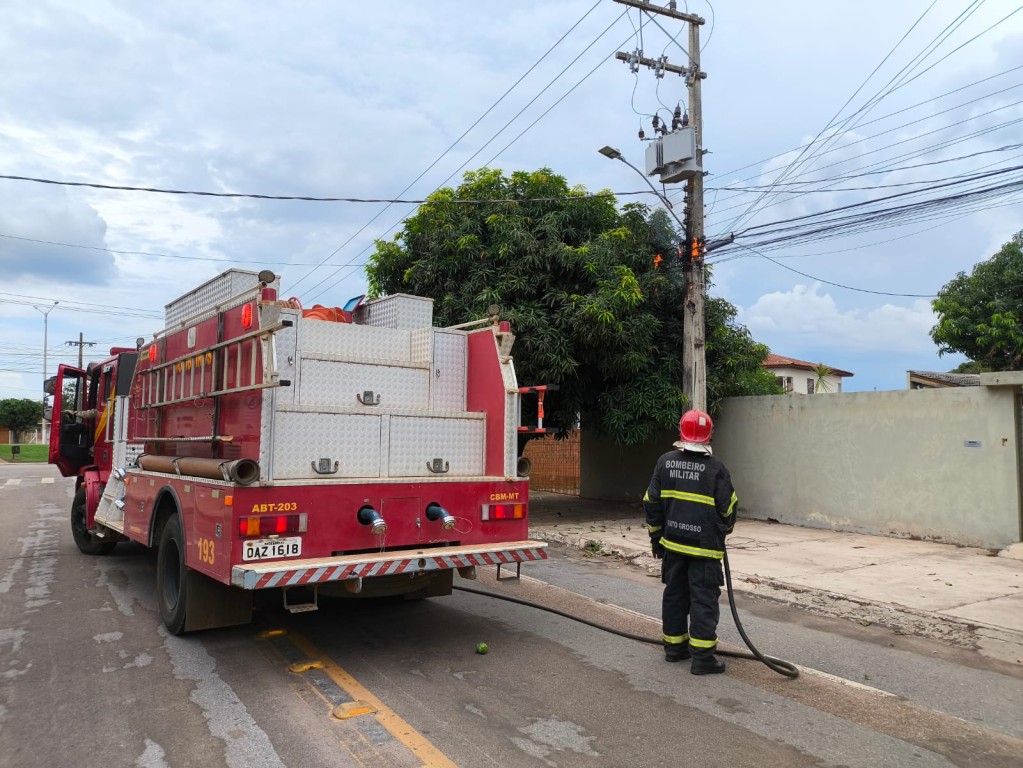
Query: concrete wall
column 940, row 464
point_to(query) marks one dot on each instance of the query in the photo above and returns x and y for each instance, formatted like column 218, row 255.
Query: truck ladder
column 208, row 372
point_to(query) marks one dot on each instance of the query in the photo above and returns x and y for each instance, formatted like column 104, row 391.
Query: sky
column 396, row 100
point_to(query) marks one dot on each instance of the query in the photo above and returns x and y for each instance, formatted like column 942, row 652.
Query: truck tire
column 172, row 576
column 87, row 543
column 189, row 599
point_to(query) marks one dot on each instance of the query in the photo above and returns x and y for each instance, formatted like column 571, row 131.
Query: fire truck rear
column 356, row 451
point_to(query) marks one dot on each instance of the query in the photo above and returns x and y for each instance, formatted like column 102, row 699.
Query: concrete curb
column 900, row 620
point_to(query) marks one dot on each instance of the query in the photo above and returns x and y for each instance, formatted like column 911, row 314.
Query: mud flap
column 212, row 604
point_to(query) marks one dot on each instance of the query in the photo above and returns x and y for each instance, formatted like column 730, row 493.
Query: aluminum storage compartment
column 448, row 372
column 418, row 442
column 211, row 294
column 346, row 341
column 399, row 311
column 302, row 439
column 326, row 382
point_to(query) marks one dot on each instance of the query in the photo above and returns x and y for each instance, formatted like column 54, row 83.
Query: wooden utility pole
column 694, row 358
column 81, row 344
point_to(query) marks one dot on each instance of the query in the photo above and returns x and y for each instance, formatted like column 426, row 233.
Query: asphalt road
column 90, row 678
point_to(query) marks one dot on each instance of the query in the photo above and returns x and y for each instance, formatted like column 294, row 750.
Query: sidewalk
column 970, row 597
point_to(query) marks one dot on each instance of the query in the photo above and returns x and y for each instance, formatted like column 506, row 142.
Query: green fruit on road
column 481, row 648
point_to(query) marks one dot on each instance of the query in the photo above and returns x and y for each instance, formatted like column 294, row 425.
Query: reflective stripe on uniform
column 646, row 496
column 682, row 549
column 731, row 506
column 676, row 639
column 653, row 528
column 699, row 498
column 702, row 643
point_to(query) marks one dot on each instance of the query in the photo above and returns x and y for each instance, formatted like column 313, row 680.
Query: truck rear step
column 289, row 573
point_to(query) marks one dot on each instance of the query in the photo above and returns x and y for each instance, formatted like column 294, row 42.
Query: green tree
column 981, row 314
column 19, row 414
column 593, row 308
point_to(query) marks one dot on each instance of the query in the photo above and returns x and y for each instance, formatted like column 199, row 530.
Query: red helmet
column 695, row 427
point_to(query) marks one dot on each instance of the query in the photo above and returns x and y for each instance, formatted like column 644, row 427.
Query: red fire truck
column 257, row 445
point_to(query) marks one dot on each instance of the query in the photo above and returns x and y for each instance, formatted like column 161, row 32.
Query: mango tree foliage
column 592, row 309
column 981, row 314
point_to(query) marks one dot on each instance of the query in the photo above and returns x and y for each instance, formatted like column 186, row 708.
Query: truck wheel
column 172, row 576
column 85, row 541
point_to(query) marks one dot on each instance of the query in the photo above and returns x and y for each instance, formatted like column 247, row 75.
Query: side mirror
column 50, row 385
column 48, row 412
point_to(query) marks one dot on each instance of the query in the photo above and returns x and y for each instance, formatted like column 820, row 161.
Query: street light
column 694, row 361
column 615, row 154
column 46, row 341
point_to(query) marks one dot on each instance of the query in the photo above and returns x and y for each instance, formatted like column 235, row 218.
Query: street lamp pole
column 46, row 341
column 614, row 154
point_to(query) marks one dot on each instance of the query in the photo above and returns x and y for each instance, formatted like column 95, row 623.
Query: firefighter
column 690, row 508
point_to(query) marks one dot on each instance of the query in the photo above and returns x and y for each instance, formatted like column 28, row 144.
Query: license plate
column 271, row 549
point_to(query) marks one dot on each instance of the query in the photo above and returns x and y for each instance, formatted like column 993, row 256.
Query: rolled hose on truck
column 782, row 667
column 240, row 471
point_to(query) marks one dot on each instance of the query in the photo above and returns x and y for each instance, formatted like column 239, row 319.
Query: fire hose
column 782, row 667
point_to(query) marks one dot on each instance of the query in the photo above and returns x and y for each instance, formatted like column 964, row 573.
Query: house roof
column 939, row 379
column 777, row 361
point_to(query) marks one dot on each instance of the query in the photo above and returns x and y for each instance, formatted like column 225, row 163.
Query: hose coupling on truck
column 369, row 516
column 435, row 512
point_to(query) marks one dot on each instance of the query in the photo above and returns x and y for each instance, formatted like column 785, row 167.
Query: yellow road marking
column 414, row 741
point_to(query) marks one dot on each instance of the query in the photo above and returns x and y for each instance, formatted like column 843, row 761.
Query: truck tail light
column 265, row 525
column 504, row 511
column 247, row 316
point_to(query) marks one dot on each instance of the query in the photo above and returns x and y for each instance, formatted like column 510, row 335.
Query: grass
column 593, row 547
column 29, row 453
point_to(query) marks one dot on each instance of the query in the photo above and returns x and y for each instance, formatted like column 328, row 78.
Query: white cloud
column 803, row 316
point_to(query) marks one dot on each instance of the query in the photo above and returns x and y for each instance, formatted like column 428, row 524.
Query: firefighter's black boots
column 707, row 665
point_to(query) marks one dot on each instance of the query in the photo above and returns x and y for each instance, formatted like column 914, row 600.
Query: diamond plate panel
column 397, row 311
column 422, row 344
column 348, row 340
column 326, row 382
column 352, row 440
column 418, row 440
column 285, row 350
column 211, row 293
column 447, row 381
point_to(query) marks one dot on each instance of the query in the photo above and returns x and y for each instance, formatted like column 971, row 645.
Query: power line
column 810, row 231
column 903, row 81
column 837, row 285
column 912, row 154
column 306, row 198
column 882, row 133
column 123, row 313
column 506, row 147
column 879, row 119
column 799, row 159
column 453, row 144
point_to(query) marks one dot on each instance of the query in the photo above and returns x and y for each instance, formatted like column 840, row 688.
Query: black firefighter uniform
column 690, row 508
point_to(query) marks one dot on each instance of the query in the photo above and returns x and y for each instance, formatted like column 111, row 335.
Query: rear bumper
column 290, row 573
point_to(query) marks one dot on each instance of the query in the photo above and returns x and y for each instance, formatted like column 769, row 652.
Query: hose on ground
column 782, row 667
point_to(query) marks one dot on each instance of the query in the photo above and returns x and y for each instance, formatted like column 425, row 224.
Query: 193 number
column 206, row 551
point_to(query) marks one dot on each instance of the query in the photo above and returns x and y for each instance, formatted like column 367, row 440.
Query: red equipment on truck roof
column 257, row 445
